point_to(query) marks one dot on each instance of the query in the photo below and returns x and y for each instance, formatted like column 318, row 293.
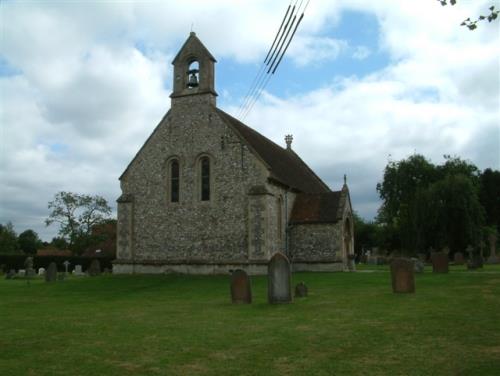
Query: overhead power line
column 271, row 62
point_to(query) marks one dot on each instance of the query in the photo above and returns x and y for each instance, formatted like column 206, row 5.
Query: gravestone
column 458, row 258
column 475, row 261
column 241, row 290
column 41, row 271
column 418, row 265
column 28, row 264
column 403, row 275
column 21, row 273
column 95, row 268
column 439, row 262
column 10, row 274
column 66, row 265
column 301, row 290
column 279, row 279
column 492, row 259
column 51, row 273
column 78, row 270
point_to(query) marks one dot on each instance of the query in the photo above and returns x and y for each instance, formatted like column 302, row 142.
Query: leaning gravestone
column 95, row 268
column 51, row 273
column 439, row 262
column 301, row 290
column 279, row 279
column 458, row 258
column 403, row 275
column 241, row 291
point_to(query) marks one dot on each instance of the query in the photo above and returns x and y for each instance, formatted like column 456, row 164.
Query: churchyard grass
column 351, row 324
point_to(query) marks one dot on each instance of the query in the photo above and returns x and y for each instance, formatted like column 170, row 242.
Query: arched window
column 174, row 180
column 205, row 178
column 193, row 75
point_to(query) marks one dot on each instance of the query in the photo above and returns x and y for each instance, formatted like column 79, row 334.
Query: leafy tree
column 59, row 243
column 426, row 205
column 365, row 234
column 29, row 241
column 76, row 215
column 8, row 239
column 489, row 196
column 448, row 213
column 398, row 189
column 472, row 24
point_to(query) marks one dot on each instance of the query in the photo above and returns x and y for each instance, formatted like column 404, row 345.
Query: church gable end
column 206, row 193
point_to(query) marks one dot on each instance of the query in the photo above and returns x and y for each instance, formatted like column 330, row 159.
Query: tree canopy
column 76, row 215
column 425, row 205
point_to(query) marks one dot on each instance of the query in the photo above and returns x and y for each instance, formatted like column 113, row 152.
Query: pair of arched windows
column 202, row 176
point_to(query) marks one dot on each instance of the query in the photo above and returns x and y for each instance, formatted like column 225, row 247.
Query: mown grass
column 351, row 324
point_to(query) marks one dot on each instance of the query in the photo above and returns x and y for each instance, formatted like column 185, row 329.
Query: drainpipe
column 286, row 223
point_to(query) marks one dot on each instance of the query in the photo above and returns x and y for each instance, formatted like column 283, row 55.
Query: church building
column 206, row 194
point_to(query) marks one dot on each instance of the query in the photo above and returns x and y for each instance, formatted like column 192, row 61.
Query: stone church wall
column 316, row 242
column 191, row 230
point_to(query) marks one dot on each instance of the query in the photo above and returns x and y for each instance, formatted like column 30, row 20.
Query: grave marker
column 439, row 262
column 403, row 275
column 241, row 291
column 279, row 279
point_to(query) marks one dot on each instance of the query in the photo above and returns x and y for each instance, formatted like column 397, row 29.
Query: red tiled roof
column 317, row 208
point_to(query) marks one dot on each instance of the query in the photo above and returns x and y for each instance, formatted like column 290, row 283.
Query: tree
column 8, row 239
column 29, row 241
column 426, row 205
column 398, row 189
column 76, row 215
column 365, row 234
column 472, row 24
column 448, row 213
column 489, row 196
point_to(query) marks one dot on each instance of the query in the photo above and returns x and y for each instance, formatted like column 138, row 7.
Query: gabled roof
column 193, row 44
column 285, row 165
column 317, row 208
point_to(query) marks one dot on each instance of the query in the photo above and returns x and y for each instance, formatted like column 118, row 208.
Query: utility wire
column 271, row 51
column 279, row 31
column 259, row 91
column 273, row 61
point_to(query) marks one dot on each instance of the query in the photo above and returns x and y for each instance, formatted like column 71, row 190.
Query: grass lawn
column 351, row 324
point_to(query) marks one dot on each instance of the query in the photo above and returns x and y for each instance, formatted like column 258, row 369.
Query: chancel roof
column 318, row 208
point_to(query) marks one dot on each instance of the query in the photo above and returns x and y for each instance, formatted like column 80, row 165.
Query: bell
column 193, row 80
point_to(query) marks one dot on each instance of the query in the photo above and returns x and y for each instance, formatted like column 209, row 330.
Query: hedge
column 8, row 262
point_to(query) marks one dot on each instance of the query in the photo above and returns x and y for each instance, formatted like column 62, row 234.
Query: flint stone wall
column 316, row 242
column 232, row 227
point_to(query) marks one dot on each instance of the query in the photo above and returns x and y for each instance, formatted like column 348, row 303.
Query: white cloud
column 361, row 52
column 316, row 50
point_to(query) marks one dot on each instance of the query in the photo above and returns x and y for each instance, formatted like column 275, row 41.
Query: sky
column 84, row 83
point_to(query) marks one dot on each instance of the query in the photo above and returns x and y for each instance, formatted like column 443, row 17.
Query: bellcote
column 194, row 70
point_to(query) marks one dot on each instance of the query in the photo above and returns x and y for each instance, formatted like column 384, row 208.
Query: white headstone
column 21, row 272
column 41, row 271
column 78, row 270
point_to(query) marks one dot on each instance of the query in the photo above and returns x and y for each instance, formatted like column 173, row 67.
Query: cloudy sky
column 83, row 84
